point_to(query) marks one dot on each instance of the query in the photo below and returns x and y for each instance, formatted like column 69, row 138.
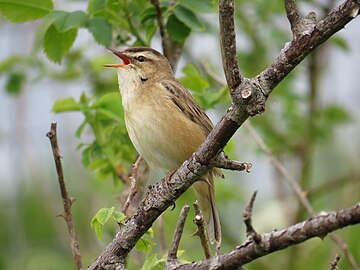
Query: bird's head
column 146, row 62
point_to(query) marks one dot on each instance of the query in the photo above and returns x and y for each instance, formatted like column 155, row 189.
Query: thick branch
column 67, row 201
column 317, row 226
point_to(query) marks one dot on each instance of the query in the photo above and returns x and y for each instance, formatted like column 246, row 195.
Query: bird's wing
column 183, row 99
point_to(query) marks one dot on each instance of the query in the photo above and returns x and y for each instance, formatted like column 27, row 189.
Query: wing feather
column 183, row 99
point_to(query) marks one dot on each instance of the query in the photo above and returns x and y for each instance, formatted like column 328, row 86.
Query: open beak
column 125, row 60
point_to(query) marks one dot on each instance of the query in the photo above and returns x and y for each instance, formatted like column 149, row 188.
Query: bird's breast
column 160, row 132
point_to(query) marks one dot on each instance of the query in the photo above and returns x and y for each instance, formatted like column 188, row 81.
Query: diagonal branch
column 317, row 226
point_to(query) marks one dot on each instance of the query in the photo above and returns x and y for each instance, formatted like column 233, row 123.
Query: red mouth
column 125, row 60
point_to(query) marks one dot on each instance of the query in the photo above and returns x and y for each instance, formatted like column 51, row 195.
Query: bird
column 164, row 122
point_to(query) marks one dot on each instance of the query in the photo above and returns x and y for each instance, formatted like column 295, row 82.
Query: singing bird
column 164, row 122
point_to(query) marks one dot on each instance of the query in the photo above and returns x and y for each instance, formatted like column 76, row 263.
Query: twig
column 172, row 254
column 164, row 36
column 212, row 73
column 345, row 249
column 292, row 13
column 228, row 45
column 247, row 215
column 316, row 226
column 224, row 163
column 277, row 164
column 133, row 186
column 298, row 192
column 333, row 265
column 67, row 201
column 199, row 222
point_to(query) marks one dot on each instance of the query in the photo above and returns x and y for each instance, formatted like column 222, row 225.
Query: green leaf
column 8, row 63
column 95, row 6
column 150, row 232
column 19, row 11
column 109, row 106
column 144, row 245
column 101, row 30
column 188, row 18
column 147, row 14
column 104, row 214
column 80, row 129
column 150, row 30
column 100, row 218
column 119, row 216
column 177, row 30
column 98, row 164
column 335, row 114
column 57, row 44
column 65, row 105
column 15, row 82
column 65, row 21
column 150, row 262
column 193, row 79
column 97, row 228
column 201, row 6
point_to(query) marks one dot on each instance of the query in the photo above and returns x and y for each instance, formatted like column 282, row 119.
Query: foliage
column 102, row 216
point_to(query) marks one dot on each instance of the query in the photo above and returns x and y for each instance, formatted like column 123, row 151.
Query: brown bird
column 164, row 122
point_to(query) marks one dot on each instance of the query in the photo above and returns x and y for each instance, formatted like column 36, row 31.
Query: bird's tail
column 204, row 189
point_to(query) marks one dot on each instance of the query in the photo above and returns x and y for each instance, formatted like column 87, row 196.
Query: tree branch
column 333, row 265
column 223, row 162
column 247, row 215
column 317, row 226
column 281, row 169
column 139, row 176
column 172, row 254
column 199, row 222
column 228, row 44
column 294, row 52
column 294, row 185
column 249, row 96
column 67, row 201
column 164, row 36
column 292, row 13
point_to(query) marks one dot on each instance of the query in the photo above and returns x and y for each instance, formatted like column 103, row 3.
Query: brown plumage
column 164, row 122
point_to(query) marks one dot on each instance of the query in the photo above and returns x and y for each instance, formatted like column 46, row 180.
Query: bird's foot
column 168, row 188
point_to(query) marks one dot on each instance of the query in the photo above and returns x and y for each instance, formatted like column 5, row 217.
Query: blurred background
column 311, row 125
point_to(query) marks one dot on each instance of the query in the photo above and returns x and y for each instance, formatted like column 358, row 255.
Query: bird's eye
column 140, row 58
